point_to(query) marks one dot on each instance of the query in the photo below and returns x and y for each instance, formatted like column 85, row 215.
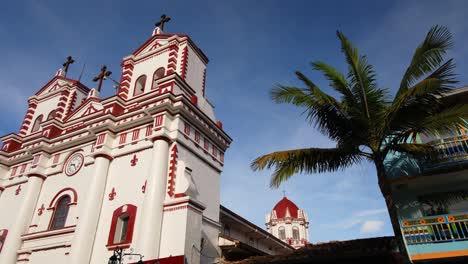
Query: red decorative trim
column 135, row 134
column 203, row 82
column 73, row 196
column 143, row 187
column 194, row 99
column 149, row 131
column 101, row 155
column 219, row 124
column 168, row 260
column 191, row 202
column 53, row 247
column 112, row 194
column 172, row 171
column 18, row 190
column 134, row 160
column 127, row 209
column 40, row 211
column 13, row 170
column 168, row 140
column 158, row 120
column 56, row 158
column 100, row 139
column 71, row 104
column 184, row 63
column 123, row 138
column 187, row 129
column 3, row 235
column 179, row 195
column 23, row 168
column 37, row 175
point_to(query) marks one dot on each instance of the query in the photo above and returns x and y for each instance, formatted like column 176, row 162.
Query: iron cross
column 102, row 76
column 67, row 64
column 164, row 20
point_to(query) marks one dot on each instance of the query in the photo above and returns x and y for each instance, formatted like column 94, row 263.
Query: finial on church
column 284, row 193
column 67, row 64
column 160, row 24
column 102, row 76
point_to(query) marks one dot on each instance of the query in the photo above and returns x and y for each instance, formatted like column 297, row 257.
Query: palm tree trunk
column 386, row 190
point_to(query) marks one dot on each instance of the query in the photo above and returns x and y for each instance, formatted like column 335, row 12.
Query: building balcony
column 436, row 237
column 451, row 154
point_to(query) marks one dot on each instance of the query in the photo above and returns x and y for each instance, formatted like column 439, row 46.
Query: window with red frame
column 121, row 229
column 59, row 218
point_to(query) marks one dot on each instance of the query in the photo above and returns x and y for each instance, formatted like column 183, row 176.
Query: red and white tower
column 289, row 223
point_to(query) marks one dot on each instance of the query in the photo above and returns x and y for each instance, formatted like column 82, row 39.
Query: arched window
column 60, row 213
column 37, row 124
column 158, row 74
column 121, row 229
column 295, row 232
column 140, row 85
column 281, row 232
column 51, row 115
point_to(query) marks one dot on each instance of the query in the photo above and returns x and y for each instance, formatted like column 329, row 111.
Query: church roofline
column 233, row 215
column 57, row 77
column 168, row 36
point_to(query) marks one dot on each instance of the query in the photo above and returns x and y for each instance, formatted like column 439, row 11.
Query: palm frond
column 427, row 57
column 309, row 160
column 446, row 121
column 337, row 81
column 358, row 70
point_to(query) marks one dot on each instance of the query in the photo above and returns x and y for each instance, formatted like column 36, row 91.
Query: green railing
column 435, row 229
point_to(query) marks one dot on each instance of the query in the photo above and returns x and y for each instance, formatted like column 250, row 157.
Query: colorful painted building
column 431, row 194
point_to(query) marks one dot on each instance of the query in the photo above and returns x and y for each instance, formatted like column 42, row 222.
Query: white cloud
column 372, row 226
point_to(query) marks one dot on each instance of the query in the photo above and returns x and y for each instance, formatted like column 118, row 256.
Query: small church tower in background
column 288, row 223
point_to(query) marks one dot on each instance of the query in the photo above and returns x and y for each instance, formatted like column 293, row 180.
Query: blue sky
column 252, row 45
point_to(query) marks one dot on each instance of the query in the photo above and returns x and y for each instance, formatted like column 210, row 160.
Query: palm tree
column 364, row 121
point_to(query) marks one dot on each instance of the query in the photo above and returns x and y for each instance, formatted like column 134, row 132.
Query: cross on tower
column 284, row 193
column 67, row 64
column 164, row 20
column 102, row 76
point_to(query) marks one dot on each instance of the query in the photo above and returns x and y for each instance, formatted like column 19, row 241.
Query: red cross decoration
column 134, row 161
column 18, row 190
column 143, row 188
column 40, row 210
column 112, row 194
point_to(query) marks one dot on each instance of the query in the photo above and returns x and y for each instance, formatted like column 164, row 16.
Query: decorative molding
column 172, row 171
column 134, row 160
column 112, row 194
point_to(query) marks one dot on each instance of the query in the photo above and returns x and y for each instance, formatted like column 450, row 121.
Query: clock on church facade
column 86, row 175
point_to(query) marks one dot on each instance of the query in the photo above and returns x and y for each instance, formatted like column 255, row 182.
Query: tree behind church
column 364, row 121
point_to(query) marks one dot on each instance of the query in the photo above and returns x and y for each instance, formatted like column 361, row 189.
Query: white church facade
column 139, row 170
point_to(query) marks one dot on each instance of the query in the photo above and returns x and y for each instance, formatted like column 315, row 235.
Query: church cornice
column 87, row 130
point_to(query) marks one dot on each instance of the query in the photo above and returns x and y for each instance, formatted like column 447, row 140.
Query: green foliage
column 364, row 121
